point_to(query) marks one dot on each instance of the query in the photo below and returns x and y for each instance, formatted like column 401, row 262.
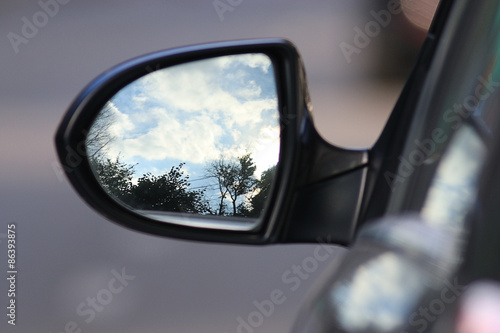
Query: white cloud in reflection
column 256, row 60
column 199, row 111
column 169, row 139
column 121, row 122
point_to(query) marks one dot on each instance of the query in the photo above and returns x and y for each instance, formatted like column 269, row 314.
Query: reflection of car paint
column 386, row 276
column 454, row 187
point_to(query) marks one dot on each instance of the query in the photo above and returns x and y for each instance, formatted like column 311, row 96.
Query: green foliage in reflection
column 237, row 187
column 258, row 201
column 167, row 192
column 115, row 176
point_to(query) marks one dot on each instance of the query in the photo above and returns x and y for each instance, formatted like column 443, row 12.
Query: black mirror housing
column 296, row 210
column 74, row 128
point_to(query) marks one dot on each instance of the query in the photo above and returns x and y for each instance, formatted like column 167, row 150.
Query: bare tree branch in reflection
column 235, row 178
column 99, row 136
column 220, row 170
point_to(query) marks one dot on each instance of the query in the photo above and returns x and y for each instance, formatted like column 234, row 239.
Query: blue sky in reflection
column 197, row 112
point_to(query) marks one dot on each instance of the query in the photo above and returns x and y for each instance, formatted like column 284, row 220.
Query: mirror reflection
column 197, row 138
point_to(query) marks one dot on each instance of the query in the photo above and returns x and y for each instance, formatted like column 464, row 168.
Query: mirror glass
column 194, row 144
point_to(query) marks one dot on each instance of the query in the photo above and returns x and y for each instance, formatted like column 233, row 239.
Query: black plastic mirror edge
column 72, row 131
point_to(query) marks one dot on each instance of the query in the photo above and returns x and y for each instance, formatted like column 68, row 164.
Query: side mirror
column 209, row 142
column 193, row 144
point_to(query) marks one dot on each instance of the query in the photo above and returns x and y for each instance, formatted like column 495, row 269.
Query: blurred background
column 68, row 254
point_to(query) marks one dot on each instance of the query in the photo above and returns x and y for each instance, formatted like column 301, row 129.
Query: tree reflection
column 172, row 192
